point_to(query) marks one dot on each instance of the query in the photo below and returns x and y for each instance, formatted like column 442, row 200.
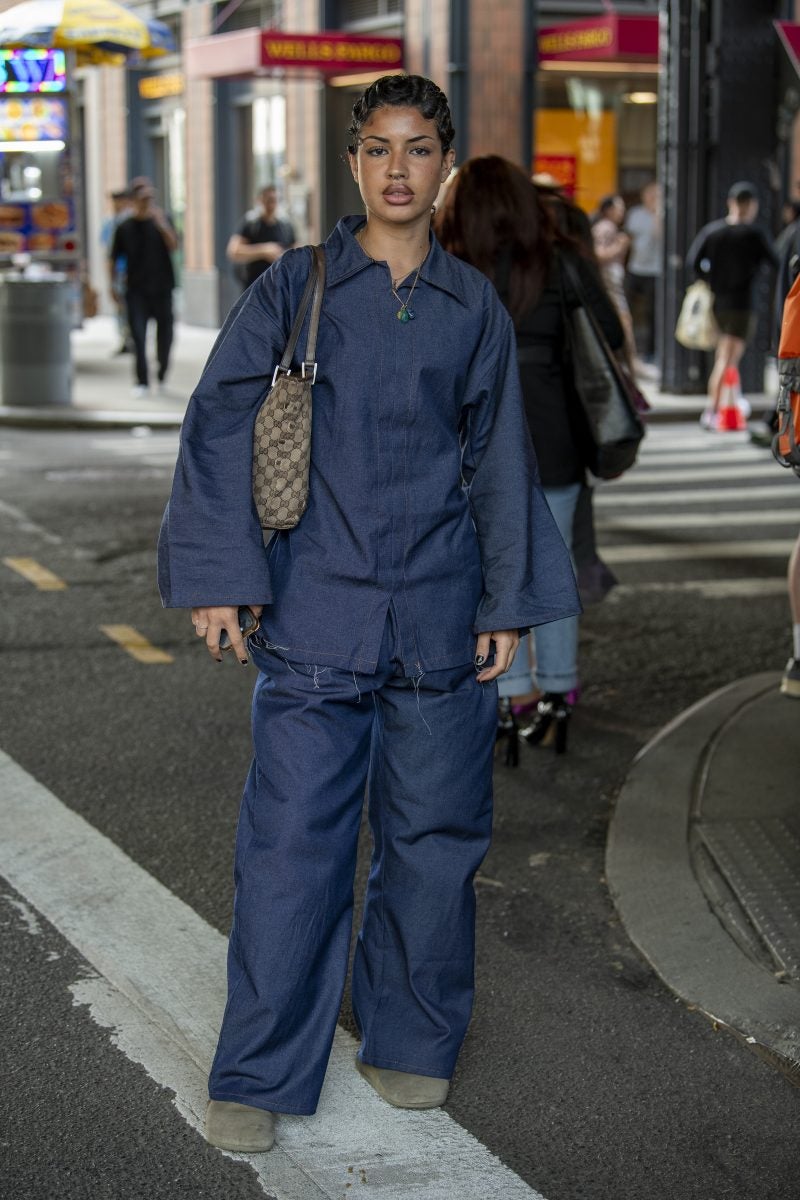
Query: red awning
column 600, row 39
column 259, row 52
column 789, row 33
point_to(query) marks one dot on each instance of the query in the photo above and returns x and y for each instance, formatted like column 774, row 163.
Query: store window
column 262, row 143
column 597, row 134
column 254, row 14
column 353, row 11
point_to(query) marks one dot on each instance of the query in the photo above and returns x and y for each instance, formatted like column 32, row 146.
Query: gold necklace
column 404, row 313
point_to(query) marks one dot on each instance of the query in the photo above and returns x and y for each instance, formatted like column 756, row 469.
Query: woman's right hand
column 209, row 623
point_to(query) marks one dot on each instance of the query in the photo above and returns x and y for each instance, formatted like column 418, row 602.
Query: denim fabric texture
column 423, row 747
column 557, row 643
column 424, row 491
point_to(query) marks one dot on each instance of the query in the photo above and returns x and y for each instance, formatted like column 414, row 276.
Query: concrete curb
column 663, row 907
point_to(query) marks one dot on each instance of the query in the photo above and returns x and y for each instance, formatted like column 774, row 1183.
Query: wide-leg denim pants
column 422, row 746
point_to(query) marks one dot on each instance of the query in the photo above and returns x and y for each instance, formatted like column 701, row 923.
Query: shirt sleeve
column 696, row 254
column 527, row 571
column 211, row 546
column 117, row 249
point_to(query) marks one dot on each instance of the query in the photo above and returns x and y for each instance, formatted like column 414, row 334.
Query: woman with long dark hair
column 386, row 614
column 493, row 218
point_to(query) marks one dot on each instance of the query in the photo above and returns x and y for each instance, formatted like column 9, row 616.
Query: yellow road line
column 135, row 644
column 36, row 574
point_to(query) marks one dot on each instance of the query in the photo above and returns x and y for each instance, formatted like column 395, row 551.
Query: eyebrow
column 420, row 137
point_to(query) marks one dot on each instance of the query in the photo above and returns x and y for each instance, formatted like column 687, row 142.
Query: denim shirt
column 424, row 493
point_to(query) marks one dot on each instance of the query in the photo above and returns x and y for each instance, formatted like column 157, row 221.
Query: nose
column 395, row 167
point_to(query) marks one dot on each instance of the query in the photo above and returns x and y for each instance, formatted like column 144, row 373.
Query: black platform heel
column 508, row 732
column 550, row 723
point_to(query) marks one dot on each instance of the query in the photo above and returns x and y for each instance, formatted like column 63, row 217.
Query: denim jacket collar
column 345, row 257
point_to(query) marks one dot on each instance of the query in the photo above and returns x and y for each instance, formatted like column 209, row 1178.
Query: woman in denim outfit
column 387, row 614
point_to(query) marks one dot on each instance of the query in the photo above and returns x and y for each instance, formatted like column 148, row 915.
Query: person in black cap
column 728, row 254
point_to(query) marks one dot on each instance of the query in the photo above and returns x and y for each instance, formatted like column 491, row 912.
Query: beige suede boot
column 404, row 1090
column 239, row 1127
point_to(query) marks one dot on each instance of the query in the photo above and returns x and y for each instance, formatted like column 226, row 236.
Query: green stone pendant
column 403, row 315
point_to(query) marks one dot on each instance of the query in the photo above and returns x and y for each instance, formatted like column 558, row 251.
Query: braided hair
column 403, row 91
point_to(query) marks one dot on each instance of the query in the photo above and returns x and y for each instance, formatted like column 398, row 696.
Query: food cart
column 38, row 204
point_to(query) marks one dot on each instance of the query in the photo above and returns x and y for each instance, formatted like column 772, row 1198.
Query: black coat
column 557, row 425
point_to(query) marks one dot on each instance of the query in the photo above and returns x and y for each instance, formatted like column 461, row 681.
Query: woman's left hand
column 505, row 647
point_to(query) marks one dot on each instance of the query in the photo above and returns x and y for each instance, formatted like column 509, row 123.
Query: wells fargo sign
column 333, row 53
column 624, row 39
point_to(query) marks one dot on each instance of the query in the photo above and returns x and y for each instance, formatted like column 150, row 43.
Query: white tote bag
column 696, row 328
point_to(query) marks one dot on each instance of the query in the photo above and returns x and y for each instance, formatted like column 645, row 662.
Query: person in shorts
column 729, row 254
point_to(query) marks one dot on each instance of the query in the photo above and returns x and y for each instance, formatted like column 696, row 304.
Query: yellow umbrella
column 99, row 31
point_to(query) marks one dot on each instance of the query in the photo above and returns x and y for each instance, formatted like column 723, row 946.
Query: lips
column 397, row 194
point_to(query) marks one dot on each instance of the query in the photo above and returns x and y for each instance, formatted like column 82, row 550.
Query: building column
column 718, row 124
column 200, row 298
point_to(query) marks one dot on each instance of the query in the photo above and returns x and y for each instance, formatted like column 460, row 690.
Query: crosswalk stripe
column 160, row 989
column 704, row 443
column 776, row 548
column 702, row 474
column 135, row 644
column 683, row 458
column 761, row 519
column 709, row 589
column 609, row 495
column 35, row 573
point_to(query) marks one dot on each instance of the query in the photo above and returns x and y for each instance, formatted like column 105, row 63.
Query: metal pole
column 683, row 135
column 458, row 73
column 529, row 66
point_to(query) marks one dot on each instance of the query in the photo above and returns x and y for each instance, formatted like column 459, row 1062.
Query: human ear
column 447, row 164
column 353, row 161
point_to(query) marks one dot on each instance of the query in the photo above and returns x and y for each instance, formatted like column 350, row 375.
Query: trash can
column 35, row 323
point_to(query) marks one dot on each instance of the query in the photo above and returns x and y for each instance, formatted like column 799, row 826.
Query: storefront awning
column 789, row 33
column 261, row 52
column 600, row 39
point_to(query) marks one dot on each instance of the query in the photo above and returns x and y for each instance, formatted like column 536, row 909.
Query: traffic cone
column 730, row 414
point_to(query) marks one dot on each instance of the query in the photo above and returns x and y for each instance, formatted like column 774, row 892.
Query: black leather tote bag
column 604, row 390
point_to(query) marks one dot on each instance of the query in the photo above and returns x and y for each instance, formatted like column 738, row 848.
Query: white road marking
column 776, row 548
column 702, row 442
column 160, row 991
column 707, row 589
column 702, row 474
column 787, row 491
column 25, row 525
column 26, row 914
column 762, row 519
column 683, row 458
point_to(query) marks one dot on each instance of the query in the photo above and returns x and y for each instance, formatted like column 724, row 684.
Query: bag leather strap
column 315, row 285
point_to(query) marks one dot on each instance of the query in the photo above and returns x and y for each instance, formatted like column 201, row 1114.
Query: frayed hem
column 277, row 1108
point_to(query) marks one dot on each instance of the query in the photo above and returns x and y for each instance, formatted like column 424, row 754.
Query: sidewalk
column 101, row 393
column 102, row 383
column 703, row 862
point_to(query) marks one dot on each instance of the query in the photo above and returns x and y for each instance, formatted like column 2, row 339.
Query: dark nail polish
column 480, row 659
column 243, row 661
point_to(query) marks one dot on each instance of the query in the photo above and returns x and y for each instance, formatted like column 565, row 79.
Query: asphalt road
column 581, row 1071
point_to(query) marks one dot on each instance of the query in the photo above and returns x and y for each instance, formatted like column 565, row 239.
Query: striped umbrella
column 99, row 31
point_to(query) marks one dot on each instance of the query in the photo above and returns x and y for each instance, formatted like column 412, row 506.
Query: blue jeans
column 424, row 747
column 556, row 643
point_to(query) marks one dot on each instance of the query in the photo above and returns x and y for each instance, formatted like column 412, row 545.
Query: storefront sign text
column 627, row 39
column 156, row 87
column 32, row 71
column 330, row 52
